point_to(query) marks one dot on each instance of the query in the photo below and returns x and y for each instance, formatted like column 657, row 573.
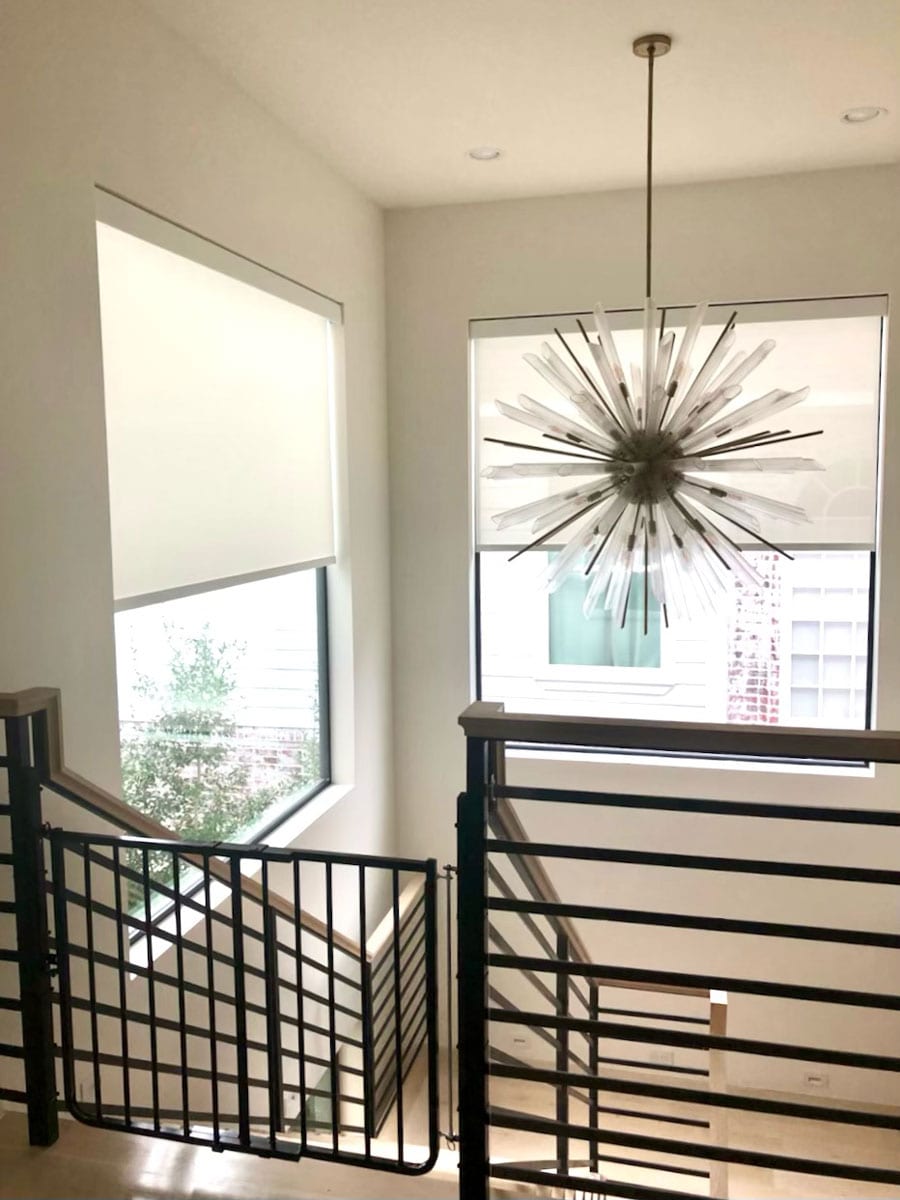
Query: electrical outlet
column 817, row 1080
column 662, row 1058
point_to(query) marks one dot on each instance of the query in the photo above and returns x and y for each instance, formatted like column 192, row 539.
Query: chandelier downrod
column 651, row 46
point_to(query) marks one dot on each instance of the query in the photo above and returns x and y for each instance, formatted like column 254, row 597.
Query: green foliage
column 182, row 769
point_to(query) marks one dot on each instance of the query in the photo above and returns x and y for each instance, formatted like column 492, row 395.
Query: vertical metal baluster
column 151, row 990
column 398, row 1014
column 211, row 987
column 123, row 987
column 365, row 1002
column 182, row 1015
column 594, row 1063
column 61, row 930
column 448, row 935
column 431, row 1001
column 92, row 983
column 273, row 1010
column 562, row 1054
column 240, row 1002
column 332, row 1031
column 301, row 1029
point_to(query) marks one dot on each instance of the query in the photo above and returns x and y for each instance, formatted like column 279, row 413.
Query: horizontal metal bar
column 641, row 1114
column 8, row 1050
column 597, row 1187
column 412, row 973
column 6, row 858
column 490, row 722
column 616, row 1031
column 750, row 987
column 385, row 956
column 644, row 1015
column 724, row 808
column 518, row 1070
column 10, row 1004
column 697, row 862
column 139, row 1018
column 598, row 1140
column 631, row 916
column 161, row 1068
column 7, row 907
column 9, row 956
column 234, row 850
column 531, row 925
column 108, row 960
column 13, row 1095
column 536, row 982
column 158, row 933
column 729, row 1154
column 184, row 897
column 416, row 1016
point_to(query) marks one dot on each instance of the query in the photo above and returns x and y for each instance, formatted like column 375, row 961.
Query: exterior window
column 221, row 705
column 798, row 650
column 217, row 380
column 795, row 652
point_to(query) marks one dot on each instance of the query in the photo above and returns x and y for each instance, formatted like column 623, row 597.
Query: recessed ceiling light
column 865, row 112
column 484, row 153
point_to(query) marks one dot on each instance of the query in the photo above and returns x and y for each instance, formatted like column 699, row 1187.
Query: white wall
column 823, row 234
column 100, row 93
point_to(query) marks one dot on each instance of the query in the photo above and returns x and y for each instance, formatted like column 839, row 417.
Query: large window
column 217, row 379
column 797, row 651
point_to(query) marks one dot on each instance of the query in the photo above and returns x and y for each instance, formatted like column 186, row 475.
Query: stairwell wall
column 103, row 94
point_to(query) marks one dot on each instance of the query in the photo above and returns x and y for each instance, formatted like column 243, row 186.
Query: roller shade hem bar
column 213, row 585
column 749, row 311
column 131, row 217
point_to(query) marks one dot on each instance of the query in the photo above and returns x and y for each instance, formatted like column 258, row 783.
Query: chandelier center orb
column 648, row 471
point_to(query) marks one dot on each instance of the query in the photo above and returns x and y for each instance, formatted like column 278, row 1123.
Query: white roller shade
column 833, row 346
column 218, row 419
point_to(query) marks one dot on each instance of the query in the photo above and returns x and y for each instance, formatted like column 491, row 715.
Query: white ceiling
column 394, row 92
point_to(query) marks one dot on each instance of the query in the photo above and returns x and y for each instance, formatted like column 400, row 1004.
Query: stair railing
column 846, row 980
column 576, row 1047
column 373, row 1003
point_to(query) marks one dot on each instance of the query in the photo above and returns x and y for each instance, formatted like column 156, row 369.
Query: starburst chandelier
column 643, row 451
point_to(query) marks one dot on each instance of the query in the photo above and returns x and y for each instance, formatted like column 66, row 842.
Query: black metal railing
column 398, row 983
column 227, row 1023
column 634, row 1098
column 212, row 993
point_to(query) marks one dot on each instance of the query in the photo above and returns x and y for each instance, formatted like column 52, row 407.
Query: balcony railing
column 615, row 941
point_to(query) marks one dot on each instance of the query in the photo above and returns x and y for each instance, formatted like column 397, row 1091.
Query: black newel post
column 32, row 934
column 471, row 828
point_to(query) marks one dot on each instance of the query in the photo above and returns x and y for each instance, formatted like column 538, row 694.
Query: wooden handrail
column 381, row 937
column 46, row 702
column 490, row 721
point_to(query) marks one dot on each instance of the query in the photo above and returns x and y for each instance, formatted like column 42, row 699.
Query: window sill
column 692, row 763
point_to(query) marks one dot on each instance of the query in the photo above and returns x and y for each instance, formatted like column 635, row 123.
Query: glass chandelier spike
column 648, row 439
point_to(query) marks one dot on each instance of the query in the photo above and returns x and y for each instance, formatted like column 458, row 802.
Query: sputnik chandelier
column 646, row 448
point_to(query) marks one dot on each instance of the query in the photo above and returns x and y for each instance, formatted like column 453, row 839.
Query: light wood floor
column 91, row 1164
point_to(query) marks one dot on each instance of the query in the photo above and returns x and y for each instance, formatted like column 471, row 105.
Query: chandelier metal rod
column 651, row 59
column 651, row 46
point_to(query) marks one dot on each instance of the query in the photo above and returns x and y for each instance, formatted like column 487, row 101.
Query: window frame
column 872, row 304
column 295, row 801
